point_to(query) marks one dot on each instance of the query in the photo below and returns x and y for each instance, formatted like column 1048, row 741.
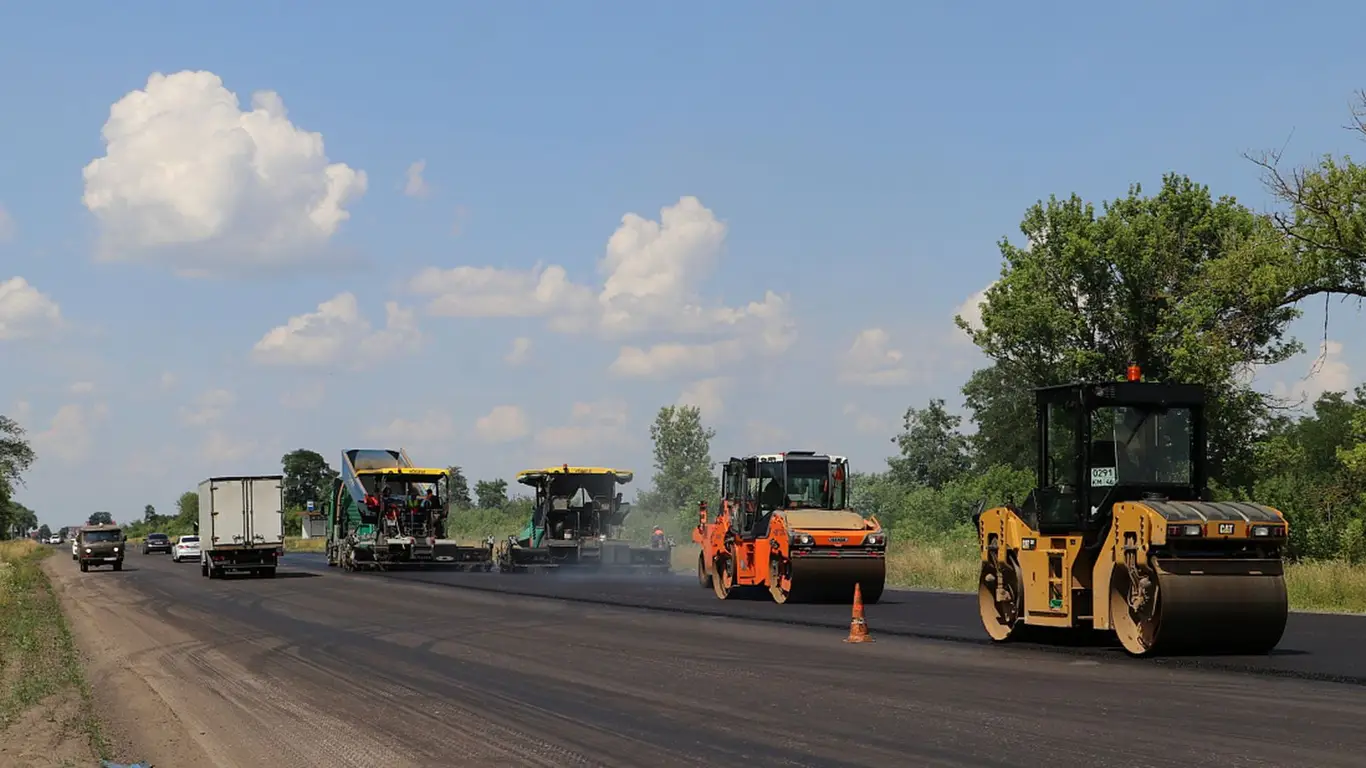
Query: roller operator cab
column 785, row 525
column 1120, row 535
column 576, row 524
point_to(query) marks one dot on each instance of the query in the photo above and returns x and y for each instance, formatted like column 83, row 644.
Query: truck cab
column 101, row 545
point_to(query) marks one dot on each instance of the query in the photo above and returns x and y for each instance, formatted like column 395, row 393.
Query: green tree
column 21, row 520
column 1172, row 282
column 307, row 477
column 933, row 450
column 149, row 514
column 16, row 456
column 682, row 461
column 100, row 518
column 44, row 532
column 458, row 488
column 187, row 510
column 1324, row 222
column 492, row 494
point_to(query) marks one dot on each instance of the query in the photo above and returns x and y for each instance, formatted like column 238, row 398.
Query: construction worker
column 657, row 538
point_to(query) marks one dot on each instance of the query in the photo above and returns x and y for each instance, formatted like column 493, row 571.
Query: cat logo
column 1226, row 529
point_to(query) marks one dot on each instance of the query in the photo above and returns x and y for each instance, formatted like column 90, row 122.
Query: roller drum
column 1204, row 612
column 833, row 580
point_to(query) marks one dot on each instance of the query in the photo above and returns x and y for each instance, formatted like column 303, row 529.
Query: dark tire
column 85, row 567
column 118, row 566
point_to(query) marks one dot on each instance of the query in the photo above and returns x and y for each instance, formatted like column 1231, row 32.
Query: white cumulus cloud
column 591, row 426
column 25, row 311
column 872, row 362
column 971, row 312
column 416, row 186
column 208, row 409
column 70, row 434
column 221, row 448
column 652, row 273
column 434, row 426
column 338, row 333
column 81, row 387
column 865, row 422
column 503, row 424
column 1328, row 374
column 521, row 348
column 190, row 180
column 708, row 395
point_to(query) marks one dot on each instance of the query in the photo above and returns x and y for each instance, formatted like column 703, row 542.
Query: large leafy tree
column 682, row 460
column 187, row 510
column 1188, row 286
column 492, row 494
column 16, row 456
column 1324, row 222
column 458, row 488
column 932, row 450
column 100, row 518
column 307, row 477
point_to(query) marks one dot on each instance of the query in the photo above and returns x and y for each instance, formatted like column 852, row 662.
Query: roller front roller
column 1170, row 612
column 827, row 580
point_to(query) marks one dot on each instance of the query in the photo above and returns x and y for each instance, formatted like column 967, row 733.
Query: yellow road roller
column 1120, row 533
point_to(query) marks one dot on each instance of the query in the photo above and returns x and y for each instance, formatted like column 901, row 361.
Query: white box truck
column 241, row 525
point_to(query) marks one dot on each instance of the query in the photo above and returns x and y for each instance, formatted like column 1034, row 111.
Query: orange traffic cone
column 858, row 628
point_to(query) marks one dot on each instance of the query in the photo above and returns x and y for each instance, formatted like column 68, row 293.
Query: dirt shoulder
column 46, row 713
column 123, row 649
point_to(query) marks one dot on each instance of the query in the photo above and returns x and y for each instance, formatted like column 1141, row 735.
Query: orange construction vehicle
column 785, row 525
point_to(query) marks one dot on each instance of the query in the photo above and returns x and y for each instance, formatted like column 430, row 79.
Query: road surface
column 321, row 668
column 1315, row 646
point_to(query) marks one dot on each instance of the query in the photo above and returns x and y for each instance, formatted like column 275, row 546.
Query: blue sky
column 826, row 174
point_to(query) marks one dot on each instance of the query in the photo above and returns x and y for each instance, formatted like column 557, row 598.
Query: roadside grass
column 38, row 658
column 1332, row 586
column 300, row 544
column 952, row 564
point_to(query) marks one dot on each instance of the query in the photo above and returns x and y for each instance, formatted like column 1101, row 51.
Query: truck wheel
column 204, row 569
column 268, row 573
column 213, row 574
column 118, row 566
column 85, row 567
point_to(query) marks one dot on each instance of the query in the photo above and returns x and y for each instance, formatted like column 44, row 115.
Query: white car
column 186, row 548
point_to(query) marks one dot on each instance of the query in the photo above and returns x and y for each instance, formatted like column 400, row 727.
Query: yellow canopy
column 534, row 476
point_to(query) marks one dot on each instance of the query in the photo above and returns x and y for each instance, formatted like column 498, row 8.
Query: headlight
column 87, row 550
column 1185, row 530
column 803, row 539
column 116, row 549
column 875, row 539
column 1267, row 531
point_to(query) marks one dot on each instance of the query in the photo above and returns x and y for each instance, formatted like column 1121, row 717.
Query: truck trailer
column 241, row 525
